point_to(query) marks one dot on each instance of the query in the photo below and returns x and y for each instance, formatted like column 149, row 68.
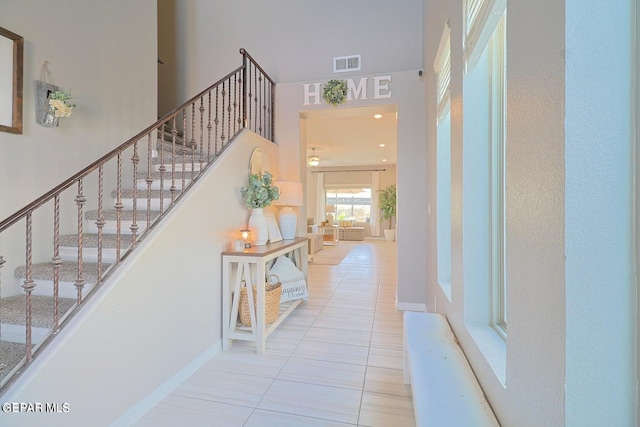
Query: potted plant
column 387, row 204
column 258, row 195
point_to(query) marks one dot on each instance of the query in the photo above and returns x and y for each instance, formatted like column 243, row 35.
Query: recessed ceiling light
column 384, row 160
column 377, row 116
column 381, row 145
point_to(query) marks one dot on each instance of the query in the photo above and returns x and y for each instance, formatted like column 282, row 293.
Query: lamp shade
column 329, row 208
column 290, row 193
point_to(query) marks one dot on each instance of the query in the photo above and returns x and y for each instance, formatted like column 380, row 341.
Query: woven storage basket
column 273, row 291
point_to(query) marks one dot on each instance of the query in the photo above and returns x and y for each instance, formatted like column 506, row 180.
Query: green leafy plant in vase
column 387, row 204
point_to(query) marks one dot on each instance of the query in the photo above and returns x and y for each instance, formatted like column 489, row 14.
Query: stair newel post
column 80, row 201
column 149, row 179
column 244, row 88
column 28, row 286
column 100, row 221
column 118, row 206
column 135, row 159
column 56, row 261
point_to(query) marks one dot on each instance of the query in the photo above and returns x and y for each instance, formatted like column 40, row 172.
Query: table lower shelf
column 245, row 333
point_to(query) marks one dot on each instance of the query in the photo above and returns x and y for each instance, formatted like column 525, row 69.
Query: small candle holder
column 246, row 237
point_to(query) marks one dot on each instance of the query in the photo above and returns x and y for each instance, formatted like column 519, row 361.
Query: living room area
column 351, row 163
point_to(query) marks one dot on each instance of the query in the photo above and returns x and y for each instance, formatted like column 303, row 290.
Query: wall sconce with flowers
column 51, row 102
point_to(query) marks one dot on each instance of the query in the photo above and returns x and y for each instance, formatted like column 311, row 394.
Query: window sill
column 446, row 288
column 493, row 348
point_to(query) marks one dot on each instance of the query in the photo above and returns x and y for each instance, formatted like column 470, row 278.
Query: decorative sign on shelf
column 313, row 93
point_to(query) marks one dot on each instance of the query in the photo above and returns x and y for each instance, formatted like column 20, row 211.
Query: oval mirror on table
column 258, row 162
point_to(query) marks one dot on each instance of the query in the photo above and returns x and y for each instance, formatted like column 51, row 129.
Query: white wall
column 601, row 377
column 569, row 355
column 125, row 344
column 111, row 71
column 293, row 40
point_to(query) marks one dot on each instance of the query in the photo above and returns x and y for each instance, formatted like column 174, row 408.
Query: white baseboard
column 139, row 409
column 411, row 306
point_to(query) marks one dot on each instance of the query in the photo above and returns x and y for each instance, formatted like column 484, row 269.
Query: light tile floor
column 335, row 361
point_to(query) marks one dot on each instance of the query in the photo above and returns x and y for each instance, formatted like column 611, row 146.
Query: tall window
column 485, row 49
column 497, row 48
column 442, row 68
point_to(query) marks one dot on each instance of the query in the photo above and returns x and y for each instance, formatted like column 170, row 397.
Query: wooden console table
column 250, row 268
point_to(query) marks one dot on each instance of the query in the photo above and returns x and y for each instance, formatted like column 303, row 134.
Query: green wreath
column 335, row 92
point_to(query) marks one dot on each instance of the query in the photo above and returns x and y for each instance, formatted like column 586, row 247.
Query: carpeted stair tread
column 68, row 271
column 166, row 175
column 11, row 353
column 12, row 310
column 91, row 240
column 142, row 194
column 178, row 159
column 126, row 215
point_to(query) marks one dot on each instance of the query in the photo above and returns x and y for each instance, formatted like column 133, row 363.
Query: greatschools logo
column 378, row 88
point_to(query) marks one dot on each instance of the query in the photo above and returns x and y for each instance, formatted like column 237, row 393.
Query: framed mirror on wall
column 11, row 80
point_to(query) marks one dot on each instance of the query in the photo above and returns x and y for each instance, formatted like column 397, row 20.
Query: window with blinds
column 442, row 68
column 481, row 19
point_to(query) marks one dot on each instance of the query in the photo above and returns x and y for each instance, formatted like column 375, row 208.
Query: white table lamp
column 290, row 195
column 329, row 210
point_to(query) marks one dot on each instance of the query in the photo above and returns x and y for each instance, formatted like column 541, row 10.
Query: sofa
column 315, row 237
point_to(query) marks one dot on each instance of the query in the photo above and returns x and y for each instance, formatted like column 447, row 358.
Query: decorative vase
column 258, row 226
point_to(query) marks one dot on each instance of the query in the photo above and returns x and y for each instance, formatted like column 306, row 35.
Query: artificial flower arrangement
column 59, row 102
column 335, row 92
column 260, row 192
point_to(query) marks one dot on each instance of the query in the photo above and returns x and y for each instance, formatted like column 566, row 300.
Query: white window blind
column 442, row 68
column 482, row 17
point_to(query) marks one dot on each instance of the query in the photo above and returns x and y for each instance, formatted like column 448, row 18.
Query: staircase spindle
column 80, row 201
column 28, row 286
column 100, row 222
column 56, row 262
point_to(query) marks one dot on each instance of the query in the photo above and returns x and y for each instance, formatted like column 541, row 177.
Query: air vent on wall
column 346, row 63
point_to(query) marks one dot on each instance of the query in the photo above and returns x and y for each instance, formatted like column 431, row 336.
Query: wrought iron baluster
column 100, row 222
column 162, row 169
column 209, row 126
column 201, row 109
column 56, row 262
column 80, row 201
column 149, row 178
column 28, row 287
column 192, row 142
column 135, row 159
column 184, row 143
column 249, row 99
column 118, row 206
column 216, row 121
column 174, row 133
column 224, row 94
